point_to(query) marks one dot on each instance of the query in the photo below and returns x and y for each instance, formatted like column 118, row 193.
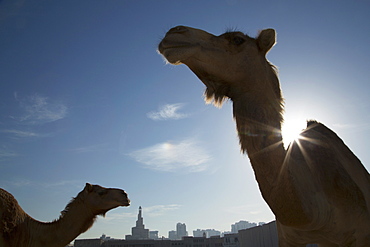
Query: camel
column 18, row 229
column 318, row 190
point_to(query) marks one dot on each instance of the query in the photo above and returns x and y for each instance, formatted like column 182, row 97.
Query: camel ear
column 266, row 40
column 88, row 187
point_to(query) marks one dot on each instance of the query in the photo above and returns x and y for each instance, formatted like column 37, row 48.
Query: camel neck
column 259, row 128
column 61, row 232
column 259, row 125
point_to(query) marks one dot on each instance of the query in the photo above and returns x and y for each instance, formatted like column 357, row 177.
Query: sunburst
column 292, row 129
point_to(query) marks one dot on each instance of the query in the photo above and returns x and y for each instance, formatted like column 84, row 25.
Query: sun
column 291, row 129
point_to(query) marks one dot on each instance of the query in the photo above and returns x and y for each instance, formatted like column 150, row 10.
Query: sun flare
column 167, row 146
column 292, row 129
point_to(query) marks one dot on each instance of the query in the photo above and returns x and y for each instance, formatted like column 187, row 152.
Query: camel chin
column 176, row 53
column 173, row 56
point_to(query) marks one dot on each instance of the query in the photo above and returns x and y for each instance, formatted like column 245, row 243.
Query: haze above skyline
column 85, row 97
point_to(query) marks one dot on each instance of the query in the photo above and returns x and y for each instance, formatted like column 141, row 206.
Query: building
column 137, row 243
column 181, row 230
column 179, row 233
column 231, row 240
column 215, row 241
column 105, row 237
column 172, row 235
column 138, row 231
column 153, row 234
column 235, row 228
column 261, row 236
column 206, row 233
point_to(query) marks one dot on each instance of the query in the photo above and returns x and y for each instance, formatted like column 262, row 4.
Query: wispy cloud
column 242, row 210
column 21, row 134
column 159, row 210
column 73, row 183
column 19, row 182
column 184, row 156
column 5, row 153
column 120, row 217
column 167, row 112
column 37, row 109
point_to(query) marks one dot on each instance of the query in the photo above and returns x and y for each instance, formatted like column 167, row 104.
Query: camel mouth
column 165, row 46
column 126, row 203
column 175, row 52
column 174, row 46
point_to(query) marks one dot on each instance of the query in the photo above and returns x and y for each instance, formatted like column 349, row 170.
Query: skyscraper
column 139, row 231
column 181, row 230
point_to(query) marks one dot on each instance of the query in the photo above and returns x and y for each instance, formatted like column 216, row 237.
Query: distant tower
column 140, row 220
column 139, row 231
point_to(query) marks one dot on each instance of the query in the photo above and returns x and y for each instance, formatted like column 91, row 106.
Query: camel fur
column 317, row 188
column 18, row 229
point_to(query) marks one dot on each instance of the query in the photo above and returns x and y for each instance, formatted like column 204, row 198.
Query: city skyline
column 138, row 232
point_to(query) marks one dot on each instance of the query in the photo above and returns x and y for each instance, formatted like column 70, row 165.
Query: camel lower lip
column 163, row 46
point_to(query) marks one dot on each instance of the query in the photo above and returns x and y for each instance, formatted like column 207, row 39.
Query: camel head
column 231, row 65
column 101, row 199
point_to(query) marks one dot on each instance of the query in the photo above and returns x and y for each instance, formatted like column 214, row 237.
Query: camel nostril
column 178, row 29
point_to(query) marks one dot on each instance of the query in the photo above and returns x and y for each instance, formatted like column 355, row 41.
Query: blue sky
column 86, row 98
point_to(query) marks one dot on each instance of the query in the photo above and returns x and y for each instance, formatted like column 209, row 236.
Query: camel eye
column 238, row 40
